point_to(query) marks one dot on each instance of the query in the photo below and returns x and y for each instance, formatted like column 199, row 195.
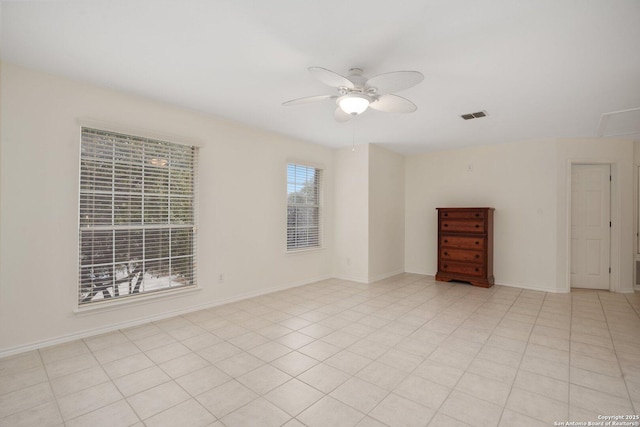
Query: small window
column 137, row 225
column 303, row 207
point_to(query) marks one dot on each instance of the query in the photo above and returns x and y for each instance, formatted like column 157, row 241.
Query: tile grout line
column 55, row 398
column 354, row 375
column 570, row 350
column 458, row 380
column 437, row 410
column 613, row 345
column 426, row 358
column 112, row 382
column 350, row 375
column 520, row 363
column 374, row 360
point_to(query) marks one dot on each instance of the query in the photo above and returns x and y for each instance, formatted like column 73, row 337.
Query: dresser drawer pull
column 446, row 214
column 446, row 225
column 445, row 266
column 446, row 241
column 477, row 243
column 477, row 225
column 477, row 269
column 477, row 256
column 477, row 215
column 446, row 253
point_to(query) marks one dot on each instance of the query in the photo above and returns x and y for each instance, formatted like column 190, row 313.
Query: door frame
column 636, row 224
column 615, row 208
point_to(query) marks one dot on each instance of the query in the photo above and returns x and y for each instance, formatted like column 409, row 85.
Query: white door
column 590, row 226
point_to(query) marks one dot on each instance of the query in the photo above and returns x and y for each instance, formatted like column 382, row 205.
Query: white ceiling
column 540, row 68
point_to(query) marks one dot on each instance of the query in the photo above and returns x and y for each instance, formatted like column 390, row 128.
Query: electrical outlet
column 221, row 278
column 348, row 261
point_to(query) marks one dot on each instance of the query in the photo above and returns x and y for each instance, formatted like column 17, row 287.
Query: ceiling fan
column 356, row 93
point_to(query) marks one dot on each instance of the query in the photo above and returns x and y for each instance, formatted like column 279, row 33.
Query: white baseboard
column 422, row 272
column 531, row 288
column 368, row 280
column 136, row 322
column 511, row 285
column 385, row 275
column 357, row 279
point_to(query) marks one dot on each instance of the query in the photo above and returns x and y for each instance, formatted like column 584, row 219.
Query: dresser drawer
column 465, row 269
column 462, row 226
column 462, row 242
column 464, row 255
column 454, row 214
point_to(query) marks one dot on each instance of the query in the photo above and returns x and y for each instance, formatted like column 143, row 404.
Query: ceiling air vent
column 617, row 123
column 474, row 115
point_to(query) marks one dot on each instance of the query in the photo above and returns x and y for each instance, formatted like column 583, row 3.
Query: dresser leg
column 482, row 284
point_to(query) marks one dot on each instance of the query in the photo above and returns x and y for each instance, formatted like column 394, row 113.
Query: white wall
column 369, row 213
column 518, row 180
column 386, row 213
column 526, row 183
column 351, row 231
column 242, row 206
column 636, row 206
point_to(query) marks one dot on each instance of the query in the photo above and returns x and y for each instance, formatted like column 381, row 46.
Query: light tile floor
column 405, row 351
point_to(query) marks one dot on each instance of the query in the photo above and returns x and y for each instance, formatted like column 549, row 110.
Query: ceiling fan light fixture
column 354, row 104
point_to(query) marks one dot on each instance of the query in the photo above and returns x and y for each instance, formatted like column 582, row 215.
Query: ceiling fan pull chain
column 353, row 139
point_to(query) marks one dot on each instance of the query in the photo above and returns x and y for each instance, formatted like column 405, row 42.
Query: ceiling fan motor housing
column 358, row 80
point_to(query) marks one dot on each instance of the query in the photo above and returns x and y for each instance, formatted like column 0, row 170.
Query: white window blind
column 303, row 206
column 137, row 215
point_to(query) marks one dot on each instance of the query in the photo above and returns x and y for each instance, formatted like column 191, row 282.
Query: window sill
column 303, row 250
column 101, row 307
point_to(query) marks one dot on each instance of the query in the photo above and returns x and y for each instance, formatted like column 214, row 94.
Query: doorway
column 591, row 226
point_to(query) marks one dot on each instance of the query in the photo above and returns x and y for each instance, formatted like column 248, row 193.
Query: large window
column 303, row 207
column 137, row 215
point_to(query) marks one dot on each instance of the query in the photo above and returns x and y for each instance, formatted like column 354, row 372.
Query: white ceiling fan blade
column 393, row 104
column 309, row 99
column 341, row 116
column 395, row 81
column 330, row 78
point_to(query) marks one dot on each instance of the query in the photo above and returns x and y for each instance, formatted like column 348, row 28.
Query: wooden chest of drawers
column 465, row 245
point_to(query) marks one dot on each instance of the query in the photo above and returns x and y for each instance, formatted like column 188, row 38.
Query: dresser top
column 466, row 209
